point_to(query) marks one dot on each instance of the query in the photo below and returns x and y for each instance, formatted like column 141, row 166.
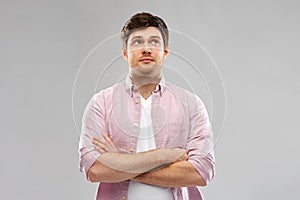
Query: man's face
column 145, row 52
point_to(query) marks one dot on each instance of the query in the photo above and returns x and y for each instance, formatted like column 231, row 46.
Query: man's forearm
column 179, row 174
column 140, row 162
column 116, row 167
column 101, row 173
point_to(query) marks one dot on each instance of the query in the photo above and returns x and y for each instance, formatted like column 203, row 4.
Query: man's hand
column 112, row 166
column 105, row 145
column 183, row 157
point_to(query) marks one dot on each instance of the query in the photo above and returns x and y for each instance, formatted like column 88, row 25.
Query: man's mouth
column 146, row 60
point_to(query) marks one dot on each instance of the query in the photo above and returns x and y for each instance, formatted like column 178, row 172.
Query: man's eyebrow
column 155, row 36
column 138, row 37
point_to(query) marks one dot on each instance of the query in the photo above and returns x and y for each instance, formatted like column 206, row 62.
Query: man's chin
column 146, row 67
column 146, row 70
column 143, row 76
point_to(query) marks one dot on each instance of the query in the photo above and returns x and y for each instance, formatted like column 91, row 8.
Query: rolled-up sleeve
column 200, row 142
column 93, row 123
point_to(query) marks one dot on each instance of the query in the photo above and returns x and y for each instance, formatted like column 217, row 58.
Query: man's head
column 145, row 47
column 141, row 21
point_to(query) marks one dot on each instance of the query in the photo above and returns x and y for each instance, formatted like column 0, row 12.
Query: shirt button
column 135, row 124
column 137, row 101
column 123, row 197
column 131, row 150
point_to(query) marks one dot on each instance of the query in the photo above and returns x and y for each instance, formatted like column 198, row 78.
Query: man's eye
column 137, row 42
column 155, row 42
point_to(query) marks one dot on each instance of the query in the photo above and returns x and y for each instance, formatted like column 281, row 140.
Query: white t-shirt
column 146, row 141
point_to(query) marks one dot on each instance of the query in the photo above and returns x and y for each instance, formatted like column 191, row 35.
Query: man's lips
column 146, row 59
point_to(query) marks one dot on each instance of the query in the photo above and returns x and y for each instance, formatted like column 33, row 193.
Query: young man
column 145, row 138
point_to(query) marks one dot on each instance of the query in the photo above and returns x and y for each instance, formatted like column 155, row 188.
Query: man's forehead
column 146, row 33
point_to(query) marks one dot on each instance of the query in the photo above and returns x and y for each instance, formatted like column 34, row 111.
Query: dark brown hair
column 144, row 20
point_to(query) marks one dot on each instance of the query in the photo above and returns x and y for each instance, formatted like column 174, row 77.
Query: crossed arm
column 160, row 167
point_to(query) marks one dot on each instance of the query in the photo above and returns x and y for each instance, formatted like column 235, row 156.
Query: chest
column 169, row 120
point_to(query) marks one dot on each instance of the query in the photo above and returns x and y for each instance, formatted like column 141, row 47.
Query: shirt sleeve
column 200, row 142
column 93, row 123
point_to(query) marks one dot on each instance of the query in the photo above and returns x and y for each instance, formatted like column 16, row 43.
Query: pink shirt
column 179, row 119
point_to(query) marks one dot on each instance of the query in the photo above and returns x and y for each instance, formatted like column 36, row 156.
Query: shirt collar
column 160, row 87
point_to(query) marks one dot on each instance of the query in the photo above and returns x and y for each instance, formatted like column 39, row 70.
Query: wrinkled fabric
column 179, row 120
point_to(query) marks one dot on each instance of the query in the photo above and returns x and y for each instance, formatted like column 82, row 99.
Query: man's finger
column 110, row 143
column 106, row 137
column 100, row 150
column 102, row 146
column 97, row 139
column 100, row 141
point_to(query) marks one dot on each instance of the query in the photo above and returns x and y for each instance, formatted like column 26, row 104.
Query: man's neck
column 146, row 85
column 146, row 90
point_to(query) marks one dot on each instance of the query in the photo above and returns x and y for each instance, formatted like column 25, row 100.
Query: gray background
column 254, row 43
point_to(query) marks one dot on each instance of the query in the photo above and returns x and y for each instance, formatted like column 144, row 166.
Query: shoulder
column 181, row 92
column 108, row 92
column 187, row 97
column 104, row 97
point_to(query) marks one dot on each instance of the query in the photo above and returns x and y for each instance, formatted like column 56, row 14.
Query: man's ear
column 124, row 53
column 166, row 53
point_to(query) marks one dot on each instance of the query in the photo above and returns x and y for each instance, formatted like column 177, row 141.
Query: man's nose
column 147, row 50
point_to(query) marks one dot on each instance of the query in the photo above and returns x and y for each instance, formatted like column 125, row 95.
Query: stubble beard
column 140, row 75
